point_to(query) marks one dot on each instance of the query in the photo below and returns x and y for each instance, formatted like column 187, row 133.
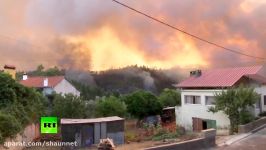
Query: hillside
column 118, row 81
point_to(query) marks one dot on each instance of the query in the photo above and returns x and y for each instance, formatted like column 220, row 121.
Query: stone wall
column 206, row 141
column 252, row 125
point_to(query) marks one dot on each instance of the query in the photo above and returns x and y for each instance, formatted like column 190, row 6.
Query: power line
column 187, row 33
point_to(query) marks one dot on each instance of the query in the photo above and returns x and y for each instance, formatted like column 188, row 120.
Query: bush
column 9, row 126
column 19, row 106
column 262, row 114
column 168, row 135
column 141, row 104
column 69, row 106
column 110, row 106
column 170, row 98
column 246, row 117
column 130, row 136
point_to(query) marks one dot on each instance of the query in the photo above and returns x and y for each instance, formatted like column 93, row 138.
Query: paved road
column 256, row 141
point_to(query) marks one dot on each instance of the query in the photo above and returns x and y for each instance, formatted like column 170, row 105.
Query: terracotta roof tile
column 37, row 82
column 225, row 77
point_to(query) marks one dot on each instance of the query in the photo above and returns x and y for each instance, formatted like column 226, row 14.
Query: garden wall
column 252, row 125
column 206, row 141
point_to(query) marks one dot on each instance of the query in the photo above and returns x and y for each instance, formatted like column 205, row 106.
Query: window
column 264, row 99
column 209, row 100
column 190, row 99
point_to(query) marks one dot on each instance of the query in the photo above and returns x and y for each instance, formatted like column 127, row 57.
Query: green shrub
column 19, row 106
column 170, row 98
column 262, row 114
column 130, row 136
column 168, row 135
column 9, row 126
column 141, row 104
column 162, row 134
column 110, row 106
column 69, row 106
column 246, row 117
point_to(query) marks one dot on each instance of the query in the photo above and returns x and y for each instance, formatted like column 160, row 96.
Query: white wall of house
column 64, row 87
column 185, row 113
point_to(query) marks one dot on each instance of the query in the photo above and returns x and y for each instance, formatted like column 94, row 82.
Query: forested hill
column 131, row 78
column 122, row 80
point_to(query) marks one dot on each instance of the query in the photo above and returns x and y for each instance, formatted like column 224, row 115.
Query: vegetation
column 141, row 104
column 170, row 98
column 9, row 126
column 129, row 79
column 88, row 92
column 234, row 102
column 69, row 106
column 262, row 114
column 19, row 106
column 110, row 106
column 246, row 117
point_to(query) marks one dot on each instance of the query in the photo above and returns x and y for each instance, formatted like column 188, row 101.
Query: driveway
column 256, row 141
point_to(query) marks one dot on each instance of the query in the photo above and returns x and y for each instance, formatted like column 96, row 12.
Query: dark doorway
column 204, row 125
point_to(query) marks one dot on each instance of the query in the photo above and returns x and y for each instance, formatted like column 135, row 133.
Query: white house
column 197, row 95
column 47, row 85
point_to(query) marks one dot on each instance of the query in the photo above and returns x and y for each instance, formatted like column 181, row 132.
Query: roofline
column 88, row 121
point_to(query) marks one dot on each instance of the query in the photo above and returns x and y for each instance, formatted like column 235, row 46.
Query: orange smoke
column 108, row 51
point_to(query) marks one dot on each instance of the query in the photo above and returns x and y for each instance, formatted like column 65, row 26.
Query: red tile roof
column 37, row 82
column 225, row 77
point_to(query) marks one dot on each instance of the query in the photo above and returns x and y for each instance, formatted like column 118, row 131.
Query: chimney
column 45, row 82
column 25, row 76
column 10, row 69
column 195, row 73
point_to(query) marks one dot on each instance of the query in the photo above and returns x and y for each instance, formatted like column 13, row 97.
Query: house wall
column 64, row 87
column 185, row 113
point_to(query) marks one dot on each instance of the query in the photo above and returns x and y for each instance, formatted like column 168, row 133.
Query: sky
column 100, row 34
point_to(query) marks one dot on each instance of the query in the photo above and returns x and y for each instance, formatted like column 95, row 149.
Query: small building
column 168, row 115
column 198, row 91
column 48, row 85
column 87, row 132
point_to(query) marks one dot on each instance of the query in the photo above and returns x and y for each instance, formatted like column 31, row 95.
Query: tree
column 22, row 104
column 40, row 71
column 68, row 106
column 233, row 102
column 170, row 97
column 9, row 126
column 142, row 104
column 110, row 106
column 40, row 68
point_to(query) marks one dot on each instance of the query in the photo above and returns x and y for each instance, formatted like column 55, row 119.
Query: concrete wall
column 185, row 113
column 64, row 87
column 206, row 141
column 252, row 125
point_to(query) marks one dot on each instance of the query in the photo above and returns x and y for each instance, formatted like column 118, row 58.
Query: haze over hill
column 122, row 80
